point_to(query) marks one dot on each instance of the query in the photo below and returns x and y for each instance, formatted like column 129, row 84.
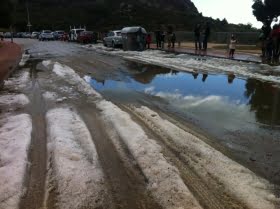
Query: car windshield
column 60, row 32
column 119, row 33
column 79, row 31
column 47, row 31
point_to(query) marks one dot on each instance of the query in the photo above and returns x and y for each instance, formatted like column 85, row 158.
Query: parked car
column 46, row 35
column 58, row 34
column 20, row 34
column 35, row 35
column 7, row 35
column 113, row 39
column 65, row 37
column 26, row 35
column 74, row 33
column 87, row 37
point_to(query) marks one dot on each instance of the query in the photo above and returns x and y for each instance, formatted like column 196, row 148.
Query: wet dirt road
column 168, row 139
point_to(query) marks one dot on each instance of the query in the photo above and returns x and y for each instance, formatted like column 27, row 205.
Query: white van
column 74, row 33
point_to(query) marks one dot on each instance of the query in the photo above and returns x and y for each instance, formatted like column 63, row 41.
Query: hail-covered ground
column 64, row 145
column 184, row 62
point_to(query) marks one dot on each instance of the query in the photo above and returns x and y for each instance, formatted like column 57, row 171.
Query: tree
column 266, row 10
column 6, row 11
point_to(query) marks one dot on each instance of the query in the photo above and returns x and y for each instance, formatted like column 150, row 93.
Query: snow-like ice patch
column 47, row 63
column 254, row 191
column 61, row 99
column 15, row 138
column 19, row 81
column 50, row 95
column 165, row 182
column 76, row 169
column 73, row 78
column 183, row 62
column 14, row 100
column 87, row 78
column 24, row 59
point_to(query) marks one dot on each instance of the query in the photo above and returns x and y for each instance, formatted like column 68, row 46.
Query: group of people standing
column 201, row 35
column 270, row 39
column 161, row 36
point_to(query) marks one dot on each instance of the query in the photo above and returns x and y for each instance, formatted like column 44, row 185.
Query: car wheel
column 113, row 44
column 104, row 43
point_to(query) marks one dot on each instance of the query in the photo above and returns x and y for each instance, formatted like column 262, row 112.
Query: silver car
column 113, row 39
column 46, row 35
column 35, row 34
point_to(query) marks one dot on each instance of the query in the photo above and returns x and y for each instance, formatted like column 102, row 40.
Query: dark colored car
column 58, row 34
column 87, row 37
column 65, row 37
column 20, row 34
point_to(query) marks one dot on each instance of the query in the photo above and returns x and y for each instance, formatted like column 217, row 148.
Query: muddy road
column 111, row 132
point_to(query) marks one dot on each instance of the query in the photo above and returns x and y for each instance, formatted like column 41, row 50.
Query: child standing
column 173, row 39
column 148, row 40
column 232, row 46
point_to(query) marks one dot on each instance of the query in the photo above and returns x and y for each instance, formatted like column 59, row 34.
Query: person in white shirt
column 232, row 46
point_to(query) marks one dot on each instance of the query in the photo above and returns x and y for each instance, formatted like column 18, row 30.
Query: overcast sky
column 235, row 11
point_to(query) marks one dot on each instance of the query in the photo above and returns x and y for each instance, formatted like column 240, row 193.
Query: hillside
column 104, row 15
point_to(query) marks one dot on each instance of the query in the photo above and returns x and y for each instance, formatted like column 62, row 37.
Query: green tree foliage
column 266, row 10
column 6, row 12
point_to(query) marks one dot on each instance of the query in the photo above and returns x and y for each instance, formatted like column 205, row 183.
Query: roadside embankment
column 10, row 54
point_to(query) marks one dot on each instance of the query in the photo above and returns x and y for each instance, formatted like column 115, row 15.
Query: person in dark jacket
column 204, row 77
column 158, row 38
column 162, row 39
column 275, row 42
column 173, row 39
column 197, row 37
column 207, row 32
column 269, row 49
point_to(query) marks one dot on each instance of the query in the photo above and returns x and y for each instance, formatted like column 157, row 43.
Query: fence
column 249, row 38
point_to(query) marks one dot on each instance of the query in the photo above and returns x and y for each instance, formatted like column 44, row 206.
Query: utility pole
column 12, row 34
column 12, row 21
column 28, row 17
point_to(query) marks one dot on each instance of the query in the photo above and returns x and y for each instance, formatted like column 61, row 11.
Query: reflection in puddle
column 200, row 92
column 216, row 95
column 243, row 115
column 264, row 101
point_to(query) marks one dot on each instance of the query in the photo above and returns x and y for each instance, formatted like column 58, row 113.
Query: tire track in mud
column 36, row 174
column 124, row 178
column 208, row 195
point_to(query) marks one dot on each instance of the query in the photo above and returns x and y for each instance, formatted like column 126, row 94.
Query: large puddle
column 225, row 97
column 243, row 115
